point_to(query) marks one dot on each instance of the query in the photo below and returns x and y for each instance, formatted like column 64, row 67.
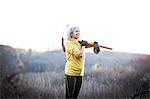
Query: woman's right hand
column 84, row 43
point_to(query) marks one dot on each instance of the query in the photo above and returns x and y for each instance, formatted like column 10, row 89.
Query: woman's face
column 76, row 33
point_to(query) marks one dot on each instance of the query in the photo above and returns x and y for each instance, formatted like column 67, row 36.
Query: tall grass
column 106, row 83
column 115, row 82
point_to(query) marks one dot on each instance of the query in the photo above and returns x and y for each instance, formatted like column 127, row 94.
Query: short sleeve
column 72, row 48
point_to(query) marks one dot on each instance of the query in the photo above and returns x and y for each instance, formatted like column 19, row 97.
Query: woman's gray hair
column 70, row 29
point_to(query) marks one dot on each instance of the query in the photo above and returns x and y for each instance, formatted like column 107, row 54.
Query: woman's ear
column 71, row 35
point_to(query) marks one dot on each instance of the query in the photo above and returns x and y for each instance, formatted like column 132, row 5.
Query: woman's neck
column 74, row 38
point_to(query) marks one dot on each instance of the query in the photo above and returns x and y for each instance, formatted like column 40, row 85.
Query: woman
column 74, row 69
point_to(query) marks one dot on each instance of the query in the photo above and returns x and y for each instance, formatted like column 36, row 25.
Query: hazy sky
column 38, row 24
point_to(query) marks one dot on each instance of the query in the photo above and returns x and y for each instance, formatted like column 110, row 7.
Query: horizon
column 90, row 51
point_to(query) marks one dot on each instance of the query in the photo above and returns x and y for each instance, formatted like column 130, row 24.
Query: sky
column 123, row 25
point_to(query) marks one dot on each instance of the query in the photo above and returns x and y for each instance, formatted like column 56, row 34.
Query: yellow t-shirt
column 74, row 65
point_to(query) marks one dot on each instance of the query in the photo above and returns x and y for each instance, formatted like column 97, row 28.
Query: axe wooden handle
column 91, row 45
column 105, row 47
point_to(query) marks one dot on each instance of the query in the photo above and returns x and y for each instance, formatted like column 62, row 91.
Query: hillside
column 55, row 60
column 108, row 75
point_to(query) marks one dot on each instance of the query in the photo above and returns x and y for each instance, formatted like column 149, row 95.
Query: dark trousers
column 73, row 85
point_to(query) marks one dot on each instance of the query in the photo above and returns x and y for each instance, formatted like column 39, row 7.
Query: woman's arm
column 88, row 45
column 81, row 52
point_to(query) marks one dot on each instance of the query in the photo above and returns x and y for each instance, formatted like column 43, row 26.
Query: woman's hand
column 84, row 43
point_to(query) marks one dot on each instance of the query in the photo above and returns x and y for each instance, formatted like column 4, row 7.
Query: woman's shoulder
column 70, row 43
